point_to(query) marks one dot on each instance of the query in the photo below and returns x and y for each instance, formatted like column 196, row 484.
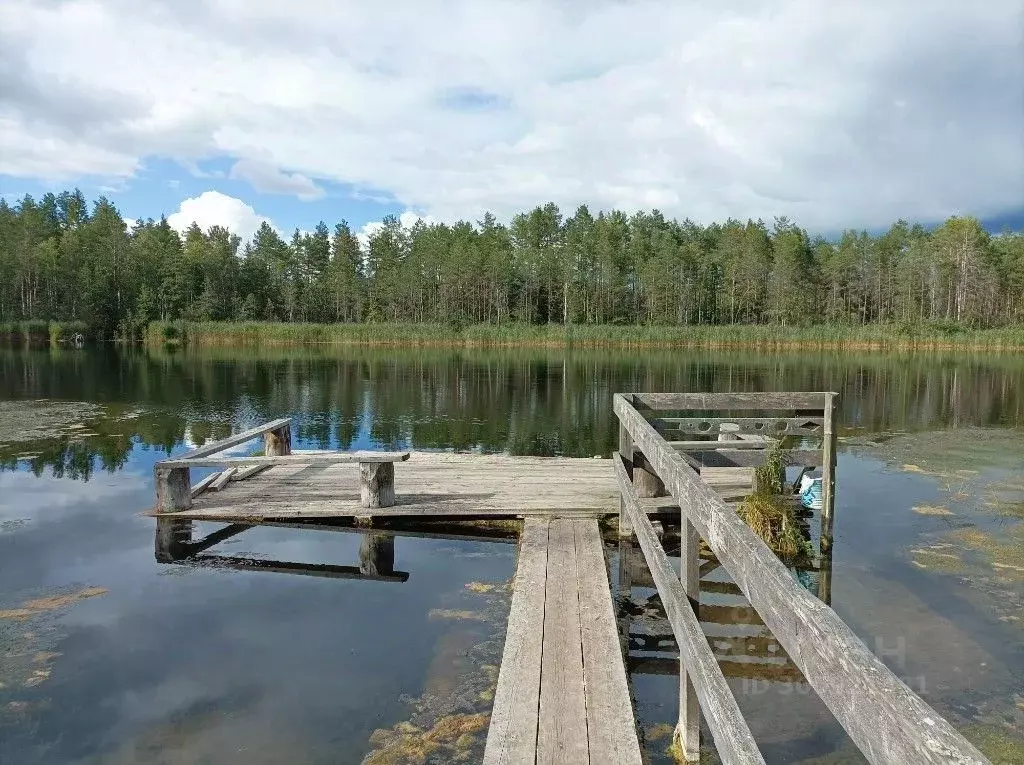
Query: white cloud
column 268, row 179
column 211, row 208
column 850, row 113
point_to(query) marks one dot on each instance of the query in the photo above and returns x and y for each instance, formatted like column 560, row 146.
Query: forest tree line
column 62, row 260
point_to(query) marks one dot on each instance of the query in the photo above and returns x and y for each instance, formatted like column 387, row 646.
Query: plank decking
column 434, row 484
column 562, row 694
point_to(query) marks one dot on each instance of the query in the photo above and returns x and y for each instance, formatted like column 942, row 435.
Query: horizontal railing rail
column 885, row 719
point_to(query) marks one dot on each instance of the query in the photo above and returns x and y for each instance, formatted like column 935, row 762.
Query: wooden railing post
column 278, row 443
column 687, row 731
column 173, row 489
column 645, row 481
column 626, row 455
column 828, row 475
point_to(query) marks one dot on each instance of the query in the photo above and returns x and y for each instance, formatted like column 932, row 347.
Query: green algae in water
column 998, row 744
column 23, row 421
column 450, row 719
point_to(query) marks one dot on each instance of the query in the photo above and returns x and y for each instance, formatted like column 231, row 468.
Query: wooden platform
column 433, row 484
column 562, row 694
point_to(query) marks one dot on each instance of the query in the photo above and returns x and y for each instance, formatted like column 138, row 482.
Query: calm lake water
column 109, row 656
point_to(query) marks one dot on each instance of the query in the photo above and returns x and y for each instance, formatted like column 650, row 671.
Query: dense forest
column 61, row 260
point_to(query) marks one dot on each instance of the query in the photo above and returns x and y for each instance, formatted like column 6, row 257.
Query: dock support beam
column 278, row 443
column 687, row 733
column 377, row 484
column 828, row 476
column 173, row 489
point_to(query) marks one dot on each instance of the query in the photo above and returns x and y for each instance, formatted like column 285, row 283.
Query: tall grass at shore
column 38, row 332
column 940, row 336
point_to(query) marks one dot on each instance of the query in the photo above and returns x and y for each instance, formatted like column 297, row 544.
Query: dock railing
column 886, row 720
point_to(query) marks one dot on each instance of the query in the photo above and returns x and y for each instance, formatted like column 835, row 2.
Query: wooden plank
column 512, row 735
column 611, row 726
column 762, row 401
column 764, row 426
column 235, row 440
column 733, row 739
column 687, row 733
column 200, row 487
column 729, row 457
column 289, row 459
column 562, row 732
column 241, row 474
column 887, row 721
column 222, row 479
column 710, row 446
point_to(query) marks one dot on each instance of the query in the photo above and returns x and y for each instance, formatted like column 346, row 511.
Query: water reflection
column 520, row 402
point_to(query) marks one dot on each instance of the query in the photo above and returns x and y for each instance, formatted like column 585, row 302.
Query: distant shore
column 882, row 337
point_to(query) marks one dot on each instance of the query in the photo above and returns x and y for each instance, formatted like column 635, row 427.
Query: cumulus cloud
column 268, row 179
column 211, row 208
column 845, row 114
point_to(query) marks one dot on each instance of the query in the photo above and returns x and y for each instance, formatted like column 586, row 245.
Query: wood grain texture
column 611, row 726
column 887, row 721
column 687, row 731
column 766, row 426
column 200, row 487
column 376, row 484
column 562, row 731
column 512, row 735
column 278, row 442
column 238, row 438
column 288, row 459
column 173, row 488
column 222, row 479
column 247, row 472
column 828, row 477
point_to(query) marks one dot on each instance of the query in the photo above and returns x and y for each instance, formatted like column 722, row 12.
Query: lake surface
column 110, row 656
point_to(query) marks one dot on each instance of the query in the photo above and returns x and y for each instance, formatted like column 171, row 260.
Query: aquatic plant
column 769, row 516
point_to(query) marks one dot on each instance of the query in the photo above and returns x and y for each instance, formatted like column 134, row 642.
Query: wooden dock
column 563, row 693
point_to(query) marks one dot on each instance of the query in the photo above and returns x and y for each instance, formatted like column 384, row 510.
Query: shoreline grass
column 880, row 337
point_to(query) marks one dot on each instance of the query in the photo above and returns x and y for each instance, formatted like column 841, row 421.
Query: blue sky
column 229, row 113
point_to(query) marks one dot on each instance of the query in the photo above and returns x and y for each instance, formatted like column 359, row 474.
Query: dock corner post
column 173, row 489
column 278, row 443
column 626, row 455
column 377, row 484
column 687, row 733
column 828, row 475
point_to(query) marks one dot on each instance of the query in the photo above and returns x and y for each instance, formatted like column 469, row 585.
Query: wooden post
column 172, row 539
column 687, row 731
column 377, row 554
column 645, row 480
column 626, row 455
column 278, row 443
column 828, row 475
column 173, row 489
column 625, row 591
column 825, row 578
column 377, row 484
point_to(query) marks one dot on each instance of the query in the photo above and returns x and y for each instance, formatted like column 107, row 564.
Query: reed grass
column 879, row 337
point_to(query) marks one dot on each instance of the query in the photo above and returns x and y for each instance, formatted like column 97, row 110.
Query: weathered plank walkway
column 433, row 484
column 562, row 695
